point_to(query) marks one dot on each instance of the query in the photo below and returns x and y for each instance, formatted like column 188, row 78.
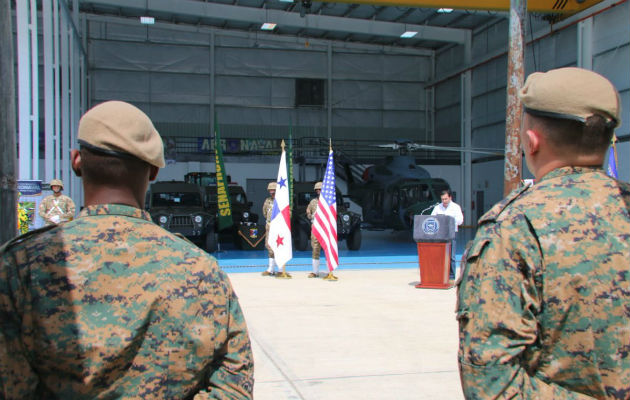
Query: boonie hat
column 56, row 182
column 318, row 185
column 121, row 129
column 271, row 186
column 571, row 93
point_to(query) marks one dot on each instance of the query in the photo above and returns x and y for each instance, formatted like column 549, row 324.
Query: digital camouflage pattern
column 544, row 300
column 53, row 206
column 266, row 212
column 110, row 305
column 310, row 213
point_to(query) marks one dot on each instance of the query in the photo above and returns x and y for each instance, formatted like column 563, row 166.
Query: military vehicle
column 348, row 222
column 179, row 208
column 245, row 233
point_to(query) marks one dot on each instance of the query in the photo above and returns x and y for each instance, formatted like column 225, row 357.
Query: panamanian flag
column 279, row 235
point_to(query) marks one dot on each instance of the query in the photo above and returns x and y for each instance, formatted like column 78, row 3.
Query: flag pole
column 283, row 274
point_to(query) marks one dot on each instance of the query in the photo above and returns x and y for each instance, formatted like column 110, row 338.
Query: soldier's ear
column 531, row 144
column 153, row 172
column 75, row 161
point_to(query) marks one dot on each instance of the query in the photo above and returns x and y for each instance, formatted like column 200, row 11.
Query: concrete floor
column 370, row 335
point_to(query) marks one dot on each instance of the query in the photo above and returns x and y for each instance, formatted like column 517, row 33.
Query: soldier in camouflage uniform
column 56, row 208
column 266, row 212
column 110, row 305
column 317, row 248
column 543, row 303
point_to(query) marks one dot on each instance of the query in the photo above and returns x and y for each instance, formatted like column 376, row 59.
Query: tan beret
column 318, row 185
column 571, row 93
column 120, row 129
column 271, row 186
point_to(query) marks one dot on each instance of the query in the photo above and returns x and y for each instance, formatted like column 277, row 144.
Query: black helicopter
column 394, row 191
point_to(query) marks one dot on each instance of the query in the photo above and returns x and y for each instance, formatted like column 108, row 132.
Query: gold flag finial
column 330, row 144
column 282, row 144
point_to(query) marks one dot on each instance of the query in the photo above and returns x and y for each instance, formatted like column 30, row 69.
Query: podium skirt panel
column 434, row 260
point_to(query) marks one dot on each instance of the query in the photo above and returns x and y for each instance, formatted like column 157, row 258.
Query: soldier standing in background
column 56, row 208
column 267, row 208
column 115, row 306
column 317, row 248
column 543, row 300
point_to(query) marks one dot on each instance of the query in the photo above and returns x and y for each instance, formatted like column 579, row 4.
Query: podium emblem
column 430, row 226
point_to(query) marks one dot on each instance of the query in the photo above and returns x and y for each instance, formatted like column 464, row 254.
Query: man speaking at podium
column 452, row 209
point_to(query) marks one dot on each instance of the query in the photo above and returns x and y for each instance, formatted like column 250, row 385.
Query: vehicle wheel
column 211, row 242
column 354, row 240
column 302, row 240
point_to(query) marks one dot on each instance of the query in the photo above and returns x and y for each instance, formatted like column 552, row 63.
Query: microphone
column 430, row 207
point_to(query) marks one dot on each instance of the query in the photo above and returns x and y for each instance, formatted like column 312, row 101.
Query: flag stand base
column 330, row 277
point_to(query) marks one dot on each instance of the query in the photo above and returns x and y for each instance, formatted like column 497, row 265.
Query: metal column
column 8, row 160
column 516, row 73
column 466, row 134
column 329, row 73
column 585, row 43
column 28, row 104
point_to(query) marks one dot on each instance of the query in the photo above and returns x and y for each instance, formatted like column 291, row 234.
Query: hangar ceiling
column 378, row 22
column 360, row 23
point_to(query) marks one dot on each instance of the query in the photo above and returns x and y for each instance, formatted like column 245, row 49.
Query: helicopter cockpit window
column 410, row 195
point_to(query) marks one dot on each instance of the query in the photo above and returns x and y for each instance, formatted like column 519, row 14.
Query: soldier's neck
column 112, row 195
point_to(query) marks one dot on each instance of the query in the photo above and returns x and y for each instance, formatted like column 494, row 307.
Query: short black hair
column 446, row 191
column 108, row 170
column 590, row 137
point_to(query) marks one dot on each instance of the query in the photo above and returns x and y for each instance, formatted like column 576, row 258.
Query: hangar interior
column 335, row 73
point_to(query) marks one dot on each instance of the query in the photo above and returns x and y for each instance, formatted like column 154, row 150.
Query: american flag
column 325, row 220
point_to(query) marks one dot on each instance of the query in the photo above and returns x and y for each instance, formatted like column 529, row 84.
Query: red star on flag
column 279, row 240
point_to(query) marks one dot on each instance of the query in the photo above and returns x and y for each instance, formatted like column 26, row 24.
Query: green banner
column 290, row 168
column 224, row 211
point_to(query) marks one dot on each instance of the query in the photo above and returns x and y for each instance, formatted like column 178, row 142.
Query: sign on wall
column 240, row 146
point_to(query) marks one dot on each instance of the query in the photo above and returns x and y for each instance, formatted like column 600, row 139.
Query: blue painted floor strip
column 379, row 250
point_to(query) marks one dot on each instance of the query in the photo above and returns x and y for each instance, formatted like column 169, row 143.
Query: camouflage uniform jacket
column 543, row 303
column 266, row 209
column 112, row 306
column 311, row 209
column 61, row 206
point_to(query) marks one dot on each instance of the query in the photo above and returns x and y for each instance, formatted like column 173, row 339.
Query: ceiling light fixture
column 147, row 20
column 268, row 26
column 409, row 34
column 445, row 10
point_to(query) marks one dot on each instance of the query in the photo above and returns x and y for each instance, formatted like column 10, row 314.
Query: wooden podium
column 434, row 234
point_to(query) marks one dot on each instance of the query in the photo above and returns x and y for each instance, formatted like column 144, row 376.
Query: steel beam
column 549, row 6
column 282, row 18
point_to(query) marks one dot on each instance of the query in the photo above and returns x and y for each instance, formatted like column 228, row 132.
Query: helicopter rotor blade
column 494, row 152
column 394, row 146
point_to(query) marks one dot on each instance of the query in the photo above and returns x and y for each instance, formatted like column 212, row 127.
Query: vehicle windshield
column 236, row 197
column 176, row 199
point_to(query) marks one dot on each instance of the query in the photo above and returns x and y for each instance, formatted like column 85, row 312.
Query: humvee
column 179, row 208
